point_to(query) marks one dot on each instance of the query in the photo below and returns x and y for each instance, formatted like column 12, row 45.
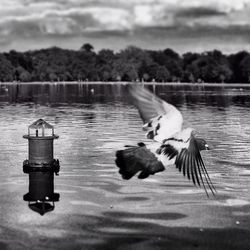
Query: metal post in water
column 41, row 167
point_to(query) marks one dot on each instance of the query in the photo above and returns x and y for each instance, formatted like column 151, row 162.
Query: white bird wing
column 162, row 119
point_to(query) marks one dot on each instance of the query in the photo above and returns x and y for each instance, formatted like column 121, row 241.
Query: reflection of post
column 41, row 196
column 41, row 167
column 154, row 88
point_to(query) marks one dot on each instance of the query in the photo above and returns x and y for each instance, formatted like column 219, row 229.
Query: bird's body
column 171, row 143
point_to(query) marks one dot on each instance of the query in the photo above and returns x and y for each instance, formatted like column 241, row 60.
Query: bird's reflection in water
column 41, row 196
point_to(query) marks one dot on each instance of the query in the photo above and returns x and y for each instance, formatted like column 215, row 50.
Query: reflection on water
column 98, row 209
column 56, row 93
column 41, row 196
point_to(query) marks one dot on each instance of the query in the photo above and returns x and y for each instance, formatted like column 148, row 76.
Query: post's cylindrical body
column 41, row 150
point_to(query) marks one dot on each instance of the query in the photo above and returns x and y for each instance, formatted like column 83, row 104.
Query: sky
column 182, row 25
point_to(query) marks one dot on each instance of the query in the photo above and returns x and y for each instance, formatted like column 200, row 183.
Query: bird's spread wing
column 188, row 161
column 150, row 159
column 161, row 118
column 137, row 159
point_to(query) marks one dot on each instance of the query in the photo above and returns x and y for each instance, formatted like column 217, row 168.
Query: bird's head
column 202, row 144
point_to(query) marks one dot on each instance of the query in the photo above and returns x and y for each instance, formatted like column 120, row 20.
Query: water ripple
column 89, row 182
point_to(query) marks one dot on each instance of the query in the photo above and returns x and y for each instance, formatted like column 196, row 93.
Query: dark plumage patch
column 159, row 117
column 168, row 150
column 157, row 128
column 150, row 134
column 143, row 175
column 149, row 124
column 141, row 144
column 135, row 159
column 172, row 139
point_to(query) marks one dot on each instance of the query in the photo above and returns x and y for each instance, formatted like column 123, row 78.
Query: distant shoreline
column 125, row 83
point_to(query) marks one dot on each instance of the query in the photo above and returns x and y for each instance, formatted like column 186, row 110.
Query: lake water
column 97, row 208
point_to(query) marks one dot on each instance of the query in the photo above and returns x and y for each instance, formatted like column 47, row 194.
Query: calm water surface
column 99, row 210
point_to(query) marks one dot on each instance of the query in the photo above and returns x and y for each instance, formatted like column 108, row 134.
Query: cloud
column 78, row 16
column 61, row 21
column 36, row 19
column 199, row 12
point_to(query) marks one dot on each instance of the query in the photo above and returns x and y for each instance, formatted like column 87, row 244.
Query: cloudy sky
column 183, row 25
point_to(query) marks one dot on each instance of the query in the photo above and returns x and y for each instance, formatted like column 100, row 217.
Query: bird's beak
column 207, row 147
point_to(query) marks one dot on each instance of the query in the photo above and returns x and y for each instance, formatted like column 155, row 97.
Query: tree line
column 129, row 64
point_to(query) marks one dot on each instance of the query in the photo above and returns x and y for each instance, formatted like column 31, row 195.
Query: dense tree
column 162, row 74
column 170, row 60
column 87, row 47
column 105, row 61
column 207, row 67
column 7, row 70
column 235, row 62
column 244, row 69
column 129, row 64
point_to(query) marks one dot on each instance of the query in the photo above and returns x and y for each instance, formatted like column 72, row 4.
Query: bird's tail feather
column 136, row 159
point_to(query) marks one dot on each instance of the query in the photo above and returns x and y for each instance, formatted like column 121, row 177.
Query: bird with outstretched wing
column 172, row 144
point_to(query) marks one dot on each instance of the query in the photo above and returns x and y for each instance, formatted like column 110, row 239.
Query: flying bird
column 171, row 145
